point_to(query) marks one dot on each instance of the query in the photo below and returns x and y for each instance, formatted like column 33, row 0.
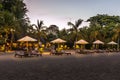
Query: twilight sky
column 59, row 12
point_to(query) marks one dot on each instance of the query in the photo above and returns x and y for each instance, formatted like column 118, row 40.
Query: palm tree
column 117, row 33
column 75, row 28
column 39, row 28
column 53, row 29
column 7, row 24
column 84, row 33
column 63, row 34
column 96, row 32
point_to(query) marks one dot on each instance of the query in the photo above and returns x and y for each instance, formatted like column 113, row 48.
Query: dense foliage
column 13, row 18
column 102, row 26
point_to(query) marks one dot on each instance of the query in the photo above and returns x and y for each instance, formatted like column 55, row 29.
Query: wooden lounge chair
column 58, row 53
column 20, row 54
column 52, row 52
column 66, row 53
column 34, row 53
column 82, row 52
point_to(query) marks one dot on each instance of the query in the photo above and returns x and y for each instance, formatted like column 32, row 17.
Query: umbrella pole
column 58, row 45
column 83, row 46
column 98, row 46
column 27, row 46
column 112, row 46
column 95, row 46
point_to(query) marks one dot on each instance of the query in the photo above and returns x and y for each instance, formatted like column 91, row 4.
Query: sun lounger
column 20, row 54
column 52, row 52
column 82, row 52
column 35, row 53
column 66, row 53
column 58, row 53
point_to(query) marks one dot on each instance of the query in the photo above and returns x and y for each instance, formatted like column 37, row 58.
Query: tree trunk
column 118, row 40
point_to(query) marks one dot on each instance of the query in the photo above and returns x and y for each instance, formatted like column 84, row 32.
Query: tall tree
column 116, row 31
column 19, row 10
column 7, row 23
column 102, row 26
column 39, row 29
column 13, row 18
column 104, row 19
column 75, row 28
column 53, row 29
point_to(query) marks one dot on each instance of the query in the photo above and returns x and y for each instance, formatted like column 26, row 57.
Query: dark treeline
column 13, row 19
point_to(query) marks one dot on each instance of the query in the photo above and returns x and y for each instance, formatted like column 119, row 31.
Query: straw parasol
column 112, row 43
column 27, row 39
column 81, row 41
column 58, row 40
column 98, row 42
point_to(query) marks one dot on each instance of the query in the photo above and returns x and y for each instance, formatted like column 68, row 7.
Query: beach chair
column 34, row 53
column 58, row 53
column 66, row 53
column 52, row 52
column 82, row 52
column 20, row 54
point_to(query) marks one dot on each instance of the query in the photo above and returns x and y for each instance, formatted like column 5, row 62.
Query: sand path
column 76, row 67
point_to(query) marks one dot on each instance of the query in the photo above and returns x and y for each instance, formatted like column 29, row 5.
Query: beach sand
column 102, row 66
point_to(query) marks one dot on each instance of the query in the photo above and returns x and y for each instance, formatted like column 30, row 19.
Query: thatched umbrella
column 27, row 39
column 58, row 41
column 82, row 42
column 112, row 43
column 98, row 42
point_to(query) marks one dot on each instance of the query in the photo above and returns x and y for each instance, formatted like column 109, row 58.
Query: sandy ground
column 103, row 66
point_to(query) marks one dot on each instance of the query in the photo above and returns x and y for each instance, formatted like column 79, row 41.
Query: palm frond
column 78, row 23
column 39, row 24
column 71, row 24
column 34, row 25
